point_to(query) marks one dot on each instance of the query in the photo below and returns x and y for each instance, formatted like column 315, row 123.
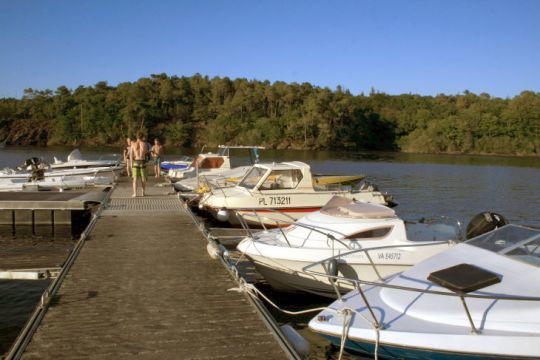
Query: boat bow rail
column 331, row 266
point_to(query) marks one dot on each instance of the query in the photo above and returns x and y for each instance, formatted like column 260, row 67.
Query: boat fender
column 332, row 268
column 300, row 345
column 214, row 250
column 484, row 222
column 222, row 215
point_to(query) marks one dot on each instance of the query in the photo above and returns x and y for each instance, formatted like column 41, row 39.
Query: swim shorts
column 157, row 160
column 139, row 169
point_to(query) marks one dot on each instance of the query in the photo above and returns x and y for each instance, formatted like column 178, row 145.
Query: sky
column 396, row 47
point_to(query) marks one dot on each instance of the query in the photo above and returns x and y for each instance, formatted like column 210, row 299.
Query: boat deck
column 144, row 286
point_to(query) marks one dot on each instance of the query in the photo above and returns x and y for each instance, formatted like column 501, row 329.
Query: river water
column 423, row 185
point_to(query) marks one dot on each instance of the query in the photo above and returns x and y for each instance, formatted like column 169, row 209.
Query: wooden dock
column 143, row 286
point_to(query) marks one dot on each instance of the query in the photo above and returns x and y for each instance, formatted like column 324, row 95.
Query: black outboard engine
column 484, row 222
column 36, row 167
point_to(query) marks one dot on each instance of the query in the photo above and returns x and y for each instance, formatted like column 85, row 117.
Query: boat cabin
column 211, row 161
column 280, row 176
column 348, row 219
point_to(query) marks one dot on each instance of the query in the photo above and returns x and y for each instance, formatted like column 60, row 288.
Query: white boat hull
column 281, row 209
column 287, row 274
column 501, row 320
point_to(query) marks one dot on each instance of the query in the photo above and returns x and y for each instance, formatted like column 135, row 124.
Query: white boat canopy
column 342, row 207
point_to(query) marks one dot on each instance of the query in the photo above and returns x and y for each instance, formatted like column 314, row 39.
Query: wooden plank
column 144, row 286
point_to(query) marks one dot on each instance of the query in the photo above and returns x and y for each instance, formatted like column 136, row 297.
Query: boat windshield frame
column 262, row 174
column 514, row 241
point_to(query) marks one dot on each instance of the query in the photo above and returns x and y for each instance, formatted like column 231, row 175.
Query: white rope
column 346, row 312
column 253, row 291
column 347, row 317
column 376, row 351
column 242, row 255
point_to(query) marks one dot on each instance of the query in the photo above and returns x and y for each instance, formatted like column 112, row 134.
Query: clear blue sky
column 408, row 46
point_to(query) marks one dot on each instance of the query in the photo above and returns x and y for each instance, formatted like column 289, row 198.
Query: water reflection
column 16, row 303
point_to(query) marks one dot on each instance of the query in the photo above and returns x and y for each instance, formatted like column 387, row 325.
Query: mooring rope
column 346, row 312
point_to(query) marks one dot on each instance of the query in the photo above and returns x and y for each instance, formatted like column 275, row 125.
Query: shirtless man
column 157, row 153
column 139, row 150
column 127, row 156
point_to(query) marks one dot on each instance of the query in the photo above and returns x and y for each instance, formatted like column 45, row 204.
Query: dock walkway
column 144, row 286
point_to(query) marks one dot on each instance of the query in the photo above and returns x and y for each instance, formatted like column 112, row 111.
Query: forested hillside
column 190, row 111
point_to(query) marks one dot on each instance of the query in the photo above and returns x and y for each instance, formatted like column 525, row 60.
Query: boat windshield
column 253, row 177
column 518, row 242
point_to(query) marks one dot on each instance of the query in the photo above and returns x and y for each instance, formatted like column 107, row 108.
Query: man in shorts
column 157, row 153
column 138, row 153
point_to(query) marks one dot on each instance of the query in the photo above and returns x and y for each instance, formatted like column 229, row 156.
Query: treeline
column 190, row 111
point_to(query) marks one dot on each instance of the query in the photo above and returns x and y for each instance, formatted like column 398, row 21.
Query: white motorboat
column 288, row 190
column 212, row 163
column 476, row 300
column 340, row 226
column 36, row 169
column 76, row 161
column 54, row 183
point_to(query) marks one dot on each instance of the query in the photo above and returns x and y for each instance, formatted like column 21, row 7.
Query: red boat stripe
column 292, row 210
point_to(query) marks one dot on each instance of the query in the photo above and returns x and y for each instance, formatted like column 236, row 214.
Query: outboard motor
column 36, row 167
column 484, row 222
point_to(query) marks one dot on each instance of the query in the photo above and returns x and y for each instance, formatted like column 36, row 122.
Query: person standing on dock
column 139, row 151
column 157, row 153
column 127, row 156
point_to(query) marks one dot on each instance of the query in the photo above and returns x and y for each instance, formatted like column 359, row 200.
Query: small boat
column 476, row 300
column 183, row 163
column 36, row 169
column 287, row 190
column 74, row 182
column 212, row 163
column 340, row 226
column 76, row 161
column 322, row 180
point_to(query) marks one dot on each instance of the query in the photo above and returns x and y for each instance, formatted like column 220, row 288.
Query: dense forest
column 196, row 110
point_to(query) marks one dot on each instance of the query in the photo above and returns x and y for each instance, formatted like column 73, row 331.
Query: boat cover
column 343, row 207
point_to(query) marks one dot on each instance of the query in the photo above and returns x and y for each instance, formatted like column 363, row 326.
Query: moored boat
column 476, row 300
column 340, row 226
column 36, row 169
column 76, row 161
column 212, row 163
column 54, row 183
column 183, row 163
column 288, row 190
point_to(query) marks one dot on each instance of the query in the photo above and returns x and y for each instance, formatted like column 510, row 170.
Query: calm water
column 423, row 185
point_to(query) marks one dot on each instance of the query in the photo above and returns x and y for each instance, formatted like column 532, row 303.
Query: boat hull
column 391, row 351
column 288, row 275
